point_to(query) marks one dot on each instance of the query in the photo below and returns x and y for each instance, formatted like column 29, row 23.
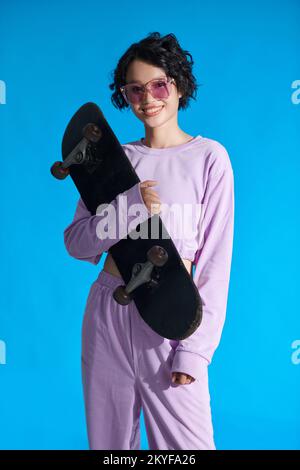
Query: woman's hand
column 150, row 196
column 181, row 378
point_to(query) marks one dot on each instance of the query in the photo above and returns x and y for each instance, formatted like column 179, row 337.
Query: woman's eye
column 136, row 89
column 160, row 84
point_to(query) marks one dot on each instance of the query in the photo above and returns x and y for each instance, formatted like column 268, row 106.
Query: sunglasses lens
column 159, row 89
column 134, row 93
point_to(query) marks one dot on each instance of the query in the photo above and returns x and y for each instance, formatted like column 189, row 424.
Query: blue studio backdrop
column 55, row 56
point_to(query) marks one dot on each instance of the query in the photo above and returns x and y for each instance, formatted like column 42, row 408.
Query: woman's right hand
column 150, row 196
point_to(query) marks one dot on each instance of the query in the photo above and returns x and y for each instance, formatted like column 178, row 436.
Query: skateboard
column 152, row 270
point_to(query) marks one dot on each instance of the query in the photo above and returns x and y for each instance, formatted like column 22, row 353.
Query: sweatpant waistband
column 109, row 279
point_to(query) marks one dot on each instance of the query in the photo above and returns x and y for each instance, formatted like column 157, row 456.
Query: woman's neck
column 160, row 142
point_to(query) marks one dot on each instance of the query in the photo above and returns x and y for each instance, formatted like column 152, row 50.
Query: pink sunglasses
column 158, row 87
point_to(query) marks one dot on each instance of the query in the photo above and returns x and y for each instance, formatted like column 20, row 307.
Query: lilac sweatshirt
column 196, row 186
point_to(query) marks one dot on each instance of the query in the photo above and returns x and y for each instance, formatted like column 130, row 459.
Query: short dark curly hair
column 163, row 52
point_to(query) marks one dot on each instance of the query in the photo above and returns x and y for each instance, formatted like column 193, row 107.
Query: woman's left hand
column 181, row 378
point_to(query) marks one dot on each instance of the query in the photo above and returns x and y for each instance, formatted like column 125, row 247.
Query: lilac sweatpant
column 126, row 367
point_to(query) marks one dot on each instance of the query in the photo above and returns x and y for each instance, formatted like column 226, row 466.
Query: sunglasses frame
column 144, row 87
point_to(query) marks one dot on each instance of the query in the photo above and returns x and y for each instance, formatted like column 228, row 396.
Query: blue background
column 58, row 55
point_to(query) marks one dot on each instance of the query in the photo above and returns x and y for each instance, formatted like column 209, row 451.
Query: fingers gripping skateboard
column 83, row 153
column 143, row 273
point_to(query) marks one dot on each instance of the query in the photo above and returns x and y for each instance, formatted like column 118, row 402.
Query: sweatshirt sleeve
column 211, row 276
column 86, row 237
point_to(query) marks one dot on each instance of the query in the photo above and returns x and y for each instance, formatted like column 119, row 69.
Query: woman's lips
column 153, row 111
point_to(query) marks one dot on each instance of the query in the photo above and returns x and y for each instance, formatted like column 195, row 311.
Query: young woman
column 126, row 366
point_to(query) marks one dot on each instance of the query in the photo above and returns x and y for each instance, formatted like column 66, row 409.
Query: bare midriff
column 110, row 266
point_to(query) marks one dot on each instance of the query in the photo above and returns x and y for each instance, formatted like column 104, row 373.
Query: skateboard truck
column 142, row 273
column 81, row 154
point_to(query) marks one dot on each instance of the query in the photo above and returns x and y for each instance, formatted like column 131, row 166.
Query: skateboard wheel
column 120, row 295
column 92, row 132
column 157, row 255
column 58, row 172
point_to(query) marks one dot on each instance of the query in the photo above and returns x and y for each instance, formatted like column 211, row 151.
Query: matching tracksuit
column 126, row 366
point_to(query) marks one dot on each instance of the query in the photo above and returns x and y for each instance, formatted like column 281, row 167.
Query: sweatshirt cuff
column 189, row 363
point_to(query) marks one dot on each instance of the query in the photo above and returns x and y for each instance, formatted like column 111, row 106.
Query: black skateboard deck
column 153, row 272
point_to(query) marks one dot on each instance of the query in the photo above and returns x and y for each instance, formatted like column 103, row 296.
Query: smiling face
column 167, row 109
